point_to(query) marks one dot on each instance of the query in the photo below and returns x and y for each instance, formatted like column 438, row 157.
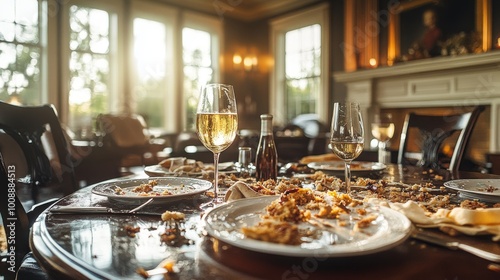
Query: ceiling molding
column 244, row 10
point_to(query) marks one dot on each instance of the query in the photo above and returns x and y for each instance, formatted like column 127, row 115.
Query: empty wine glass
column 216, row 125
column 383, row 131
column 347, row 135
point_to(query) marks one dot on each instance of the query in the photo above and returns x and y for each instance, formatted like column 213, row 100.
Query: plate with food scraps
column 162, row 189
column 486, row 190
column 159, row 171
column 330, row 238
column 338, row 167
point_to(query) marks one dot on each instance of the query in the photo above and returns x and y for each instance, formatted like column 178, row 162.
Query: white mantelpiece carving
column 442, row 81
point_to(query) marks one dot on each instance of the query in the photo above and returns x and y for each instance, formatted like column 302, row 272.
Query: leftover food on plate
column 356, row 166
column 304, row 222
column 180, row 166
column 160, row 188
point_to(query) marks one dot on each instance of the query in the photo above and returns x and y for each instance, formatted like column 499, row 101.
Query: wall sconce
column 372, row 62
column 247, row 63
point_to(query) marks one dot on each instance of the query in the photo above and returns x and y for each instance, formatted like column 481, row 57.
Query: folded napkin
column 240, row 190
column 466, row 221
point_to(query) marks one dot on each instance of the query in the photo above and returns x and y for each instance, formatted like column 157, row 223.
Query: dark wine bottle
column 266, row 159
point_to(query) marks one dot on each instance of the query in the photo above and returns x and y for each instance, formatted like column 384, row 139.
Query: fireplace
column 439, row 85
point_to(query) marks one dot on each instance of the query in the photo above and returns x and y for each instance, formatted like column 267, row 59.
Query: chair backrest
column 311, row 125
column 123, row 130
column 315, row 129
column 428, row 133
column 15, row 219
column 38, row 132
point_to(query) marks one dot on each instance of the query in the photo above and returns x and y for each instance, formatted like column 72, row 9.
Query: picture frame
column 406, row 26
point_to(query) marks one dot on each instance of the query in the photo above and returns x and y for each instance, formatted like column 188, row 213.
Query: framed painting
column 422, row 28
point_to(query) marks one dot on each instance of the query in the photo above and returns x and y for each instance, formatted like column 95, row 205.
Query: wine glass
column 383, row 131
column 216, row 126
column 347, row 135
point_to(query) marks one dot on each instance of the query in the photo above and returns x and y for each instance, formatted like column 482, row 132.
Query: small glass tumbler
column 245, row 160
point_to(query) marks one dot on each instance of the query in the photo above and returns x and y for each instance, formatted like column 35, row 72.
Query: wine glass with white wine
column 383, row 131
column 216, row 125
column 347, row 135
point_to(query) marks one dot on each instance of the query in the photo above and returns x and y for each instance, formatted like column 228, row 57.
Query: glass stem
column 348, row 177
column 216, row 177
column 381, row 152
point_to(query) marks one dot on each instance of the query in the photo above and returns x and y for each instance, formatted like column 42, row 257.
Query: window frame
column 279, row 27
column 116, row 53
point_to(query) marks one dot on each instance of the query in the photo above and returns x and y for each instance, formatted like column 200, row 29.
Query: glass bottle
column 266, row 159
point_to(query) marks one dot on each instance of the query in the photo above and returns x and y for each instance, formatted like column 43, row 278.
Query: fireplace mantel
column 465, row 81
column 422, row 66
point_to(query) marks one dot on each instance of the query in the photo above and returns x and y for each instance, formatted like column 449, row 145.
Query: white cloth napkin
column 240, row 190
column 466, row 221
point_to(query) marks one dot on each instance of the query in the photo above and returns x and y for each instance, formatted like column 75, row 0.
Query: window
column 113, row 56
column 89, row 66
column 141, row 75
column 21, row 52
column 153, row 79
column 299, row 83
column 200, row 53
column 302, row 70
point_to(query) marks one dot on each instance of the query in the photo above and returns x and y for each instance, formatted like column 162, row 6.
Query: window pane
column 89, row 66
column 302, row 70
column 7, row 31
column 302, row 96
column 150, row 64
column 197, row 58
column 27, row 34
column 89, row 30
column 8, row 10
column 20, row 53
column 196, row 47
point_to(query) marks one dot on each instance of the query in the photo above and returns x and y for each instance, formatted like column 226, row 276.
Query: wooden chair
column 37, row 143
column 126, row 134
column 45, row 152
column 427, row 134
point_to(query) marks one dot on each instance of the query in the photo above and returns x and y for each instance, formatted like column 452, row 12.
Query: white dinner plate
column 179, row 187
column 338, row 167
column 486, row 190
column 159, row 171
column 225, row 222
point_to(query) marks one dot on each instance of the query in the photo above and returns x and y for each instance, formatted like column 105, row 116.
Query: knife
column 100, row 210
column 95, row 210
column 454, row 245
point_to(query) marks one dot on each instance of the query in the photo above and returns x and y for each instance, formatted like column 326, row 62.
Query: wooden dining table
column 115, row 246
